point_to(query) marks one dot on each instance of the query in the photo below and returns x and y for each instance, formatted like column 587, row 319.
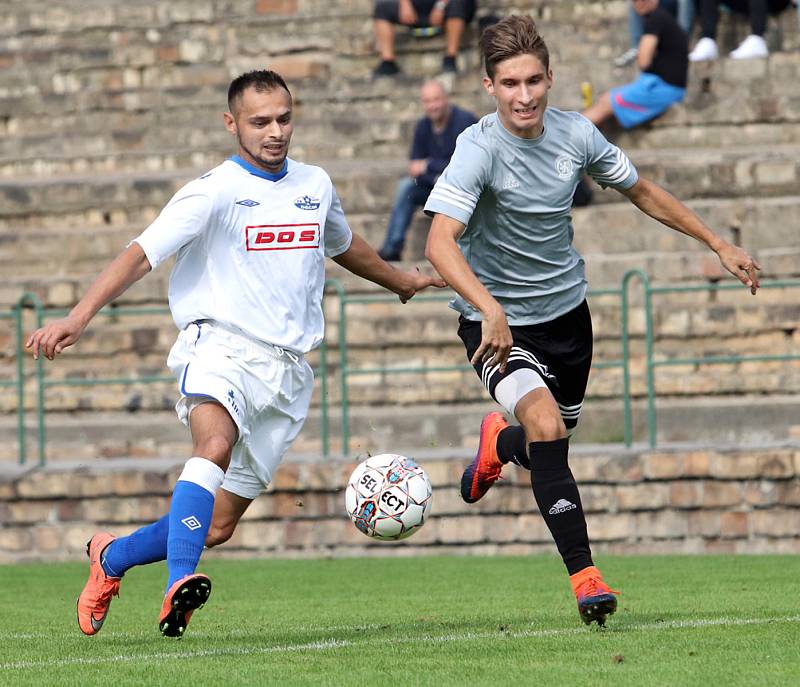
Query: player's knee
column 216, row 448
column 546, row 428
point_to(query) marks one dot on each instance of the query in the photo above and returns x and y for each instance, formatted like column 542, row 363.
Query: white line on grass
column 329, row 644
column 14, row 636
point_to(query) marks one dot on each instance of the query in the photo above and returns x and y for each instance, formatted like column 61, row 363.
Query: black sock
column 512, row 446
column 557, row 496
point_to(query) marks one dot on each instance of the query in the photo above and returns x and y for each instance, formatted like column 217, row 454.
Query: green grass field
column 416, row 621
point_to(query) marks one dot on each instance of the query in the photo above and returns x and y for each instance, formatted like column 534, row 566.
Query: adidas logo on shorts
column 561, row 506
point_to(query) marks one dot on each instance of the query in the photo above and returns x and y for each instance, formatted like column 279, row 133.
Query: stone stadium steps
column 112, row 435
column 64, row 291
column 376, row 136
column 187, row 48
column 381, row 121
column 759, row 222
column 59, row 284
column 368, row 185
column 182, row 49
column 140, row 162
column 106, row 109
column 722, row 172
column 604, row 234
column 61, row 250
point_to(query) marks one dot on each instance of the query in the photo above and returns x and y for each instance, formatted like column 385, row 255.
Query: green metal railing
column 33, row 302
column 345, row 371
column 652, row 363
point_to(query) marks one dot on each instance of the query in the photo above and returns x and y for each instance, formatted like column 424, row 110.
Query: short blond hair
column 512, row 36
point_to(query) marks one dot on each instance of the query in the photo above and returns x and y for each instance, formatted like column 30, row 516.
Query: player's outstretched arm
column 655, row 201
column 361, row 259
column 127, row 268
column 444, row 254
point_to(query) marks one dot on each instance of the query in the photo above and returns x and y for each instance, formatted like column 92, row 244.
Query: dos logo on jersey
column 307, row 202
column 281, row 236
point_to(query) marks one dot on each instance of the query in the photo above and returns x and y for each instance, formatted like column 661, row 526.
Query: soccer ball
column 388, row 497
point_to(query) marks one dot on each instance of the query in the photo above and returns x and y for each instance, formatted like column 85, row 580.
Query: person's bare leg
column 453, row 30
column 213, row 433
column 601, row 110
column 385, row 39
column 228, row 510
column 539, row 415
column 191, row 512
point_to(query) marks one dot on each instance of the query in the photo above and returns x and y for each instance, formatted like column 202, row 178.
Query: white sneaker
column 706, row 49
column 751, row 47
column 626, row 58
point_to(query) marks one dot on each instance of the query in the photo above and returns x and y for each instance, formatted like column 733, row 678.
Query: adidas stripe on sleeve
column 608, row 165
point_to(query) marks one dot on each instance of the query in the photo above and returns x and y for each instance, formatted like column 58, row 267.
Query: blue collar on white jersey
column 260, row 172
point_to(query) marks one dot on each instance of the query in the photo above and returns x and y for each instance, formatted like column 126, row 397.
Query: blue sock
column 190, row 516
column 146, row 545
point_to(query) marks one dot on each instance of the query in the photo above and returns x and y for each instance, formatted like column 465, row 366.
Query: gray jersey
column 515, row 197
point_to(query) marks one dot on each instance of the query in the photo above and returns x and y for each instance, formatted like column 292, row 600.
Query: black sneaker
column 386, row 68
column 449, row 64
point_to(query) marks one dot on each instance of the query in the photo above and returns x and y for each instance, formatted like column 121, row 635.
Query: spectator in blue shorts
column 431, row 148
column 452, row 16
column 663, row 60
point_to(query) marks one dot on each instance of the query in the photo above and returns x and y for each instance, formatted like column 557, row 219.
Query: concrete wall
column 637, row 501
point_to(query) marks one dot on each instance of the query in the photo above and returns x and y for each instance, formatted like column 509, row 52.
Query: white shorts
column 266, row 390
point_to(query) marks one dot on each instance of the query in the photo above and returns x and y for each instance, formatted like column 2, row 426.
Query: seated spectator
column 433, row 145
column 662, row 59
column 682, row 10
column 752, row 46
column 450, row 15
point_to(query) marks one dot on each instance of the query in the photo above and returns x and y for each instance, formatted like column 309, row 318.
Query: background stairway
column 107, row 108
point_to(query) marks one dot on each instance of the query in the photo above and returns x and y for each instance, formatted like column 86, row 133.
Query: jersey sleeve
column 183, row 219
column 607, row 164
column 459, row 187
column 338, row 235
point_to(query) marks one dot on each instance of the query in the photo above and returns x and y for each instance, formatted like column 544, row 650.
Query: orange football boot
column 184, row 597
column 596, row 600
column 96, row 596
column 485, row 470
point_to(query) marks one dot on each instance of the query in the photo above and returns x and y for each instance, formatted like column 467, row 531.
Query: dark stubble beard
column 269, row 165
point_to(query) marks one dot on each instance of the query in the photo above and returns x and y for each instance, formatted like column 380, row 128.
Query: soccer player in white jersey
column 251, row 237
column 502, row 238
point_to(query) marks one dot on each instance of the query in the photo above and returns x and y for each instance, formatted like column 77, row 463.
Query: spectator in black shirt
column 663, row 61
column 431, row 149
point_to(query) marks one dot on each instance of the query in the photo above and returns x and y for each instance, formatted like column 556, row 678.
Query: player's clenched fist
column 55, row 337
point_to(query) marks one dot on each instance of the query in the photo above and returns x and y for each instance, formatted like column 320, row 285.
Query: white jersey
column 251, row 250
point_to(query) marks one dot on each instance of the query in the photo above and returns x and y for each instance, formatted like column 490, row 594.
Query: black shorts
column 458, row 9
column 559, row 351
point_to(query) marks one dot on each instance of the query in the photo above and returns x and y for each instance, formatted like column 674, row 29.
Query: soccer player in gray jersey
column 502, row 238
